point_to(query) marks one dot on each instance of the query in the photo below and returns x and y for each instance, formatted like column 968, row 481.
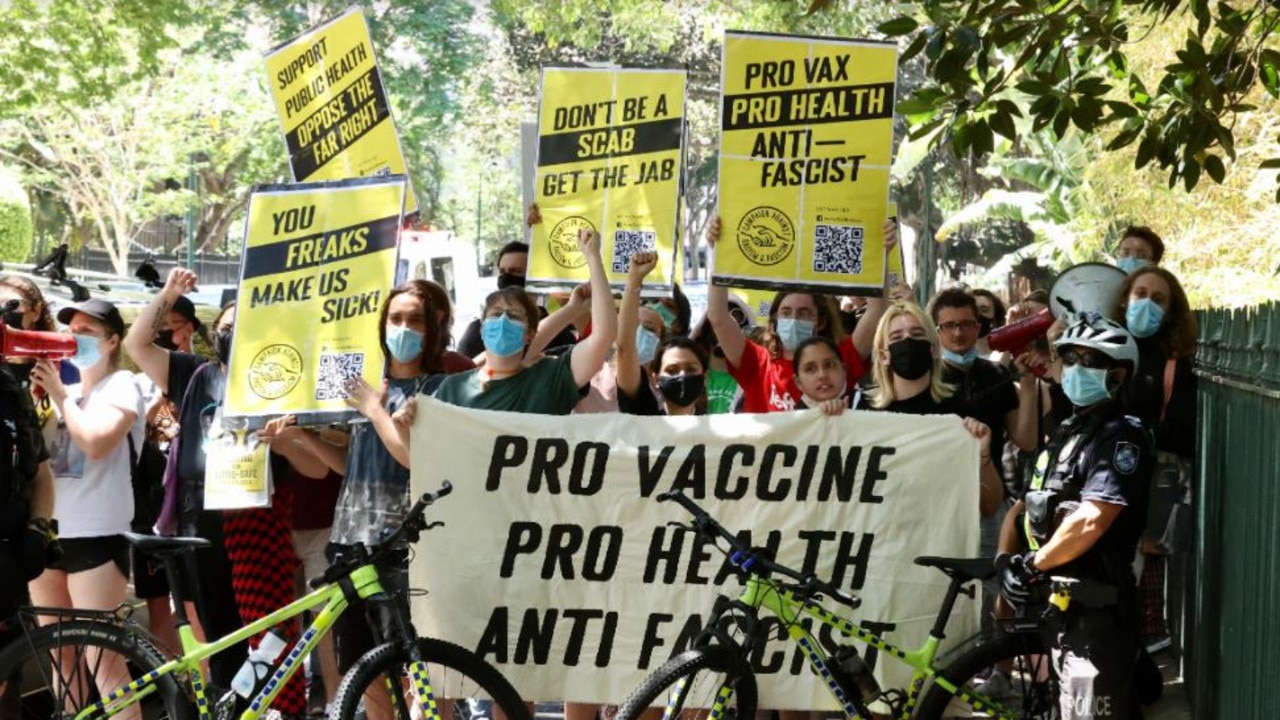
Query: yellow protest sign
column 329, row 95
column 237, row 471
column 610, row 148
column 318, row 261
column 805, row 149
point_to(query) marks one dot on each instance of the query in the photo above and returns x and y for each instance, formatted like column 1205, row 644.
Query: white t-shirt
column 94, row 498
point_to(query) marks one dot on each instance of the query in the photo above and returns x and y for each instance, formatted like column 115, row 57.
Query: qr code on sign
column 837, row 249
column 627, row 242
column 335, row 370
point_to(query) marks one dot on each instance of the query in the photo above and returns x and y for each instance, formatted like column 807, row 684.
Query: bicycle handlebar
column 745, row 558
column 408, row 532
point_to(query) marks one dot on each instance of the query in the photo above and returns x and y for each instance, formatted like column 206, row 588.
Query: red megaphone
column 1016, row 337
column 36, row 344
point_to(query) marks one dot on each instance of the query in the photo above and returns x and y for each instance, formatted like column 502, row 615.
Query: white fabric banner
column 556, row 562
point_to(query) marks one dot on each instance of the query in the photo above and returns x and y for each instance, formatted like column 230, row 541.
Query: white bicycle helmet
column 1105, row 336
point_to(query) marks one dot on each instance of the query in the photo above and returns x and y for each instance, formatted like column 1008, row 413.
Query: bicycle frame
column 334, row 601
column 763, row 593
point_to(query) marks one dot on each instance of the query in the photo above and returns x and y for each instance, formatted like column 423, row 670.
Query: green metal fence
column 1233, row 589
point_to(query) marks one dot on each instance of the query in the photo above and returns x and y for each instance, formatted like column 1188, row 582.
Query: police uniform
column 21, row 452
column 1099, row 454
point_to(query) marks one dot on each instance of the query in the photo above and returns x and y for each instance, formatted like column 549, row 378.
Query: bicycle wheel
column 381, row 684
column 693, row 684
column 59, row 670
column 1005, row 676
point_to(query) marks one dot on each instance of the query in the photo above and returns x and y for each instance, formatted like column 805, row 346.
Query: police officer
column 26, row 504
column 1081, row 519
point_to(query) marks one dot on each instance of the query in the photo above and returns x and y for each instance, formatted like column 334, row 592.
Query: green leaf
column 914, row 48
column 1271, row 164
column 1213, row 165
column 983, row 140
column 1034, row 87
column 1009, row 107
column 1124, row 139
column 1147, row 149
column 936, row 42
column 950, row 65
column 1061, row 123
column 898, row 26
column 1003, row 124
column 1190, row 174
column 917, row 105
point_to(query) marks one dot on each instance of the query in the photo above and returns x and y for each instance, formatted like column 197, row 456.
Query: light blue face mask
column 405, row 343
column 1131, row 265
column 1084, row 386
column 88, row 351
column 959, row 360
column 646, row 345
column 1143, row 317
column 792, row 332
column 503, row 336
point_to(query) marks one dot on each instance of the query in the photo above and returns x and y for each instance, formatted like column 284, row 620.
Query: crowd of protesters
column 75, row 438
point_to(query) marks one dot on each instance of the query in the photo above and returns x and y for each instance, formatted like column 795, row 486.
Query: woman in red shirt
column 765, row 370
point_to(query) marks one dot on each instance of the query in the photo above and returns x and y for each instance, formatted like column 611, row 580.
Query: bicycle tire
column 48, row 688
column 1033, row 687
column 725, row 671
column 467, row 677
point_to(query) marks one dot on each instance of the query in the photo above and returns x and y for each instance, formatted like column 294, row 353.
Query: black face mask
column 506, row 280
column 13, row 319
column 984, row 326
column 682, row 390
column 165, row 340
column 911, row 358
column 222, row 346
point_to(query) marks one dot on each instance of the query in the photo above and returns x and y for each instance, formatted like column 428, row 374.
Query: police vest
column 1054, row 491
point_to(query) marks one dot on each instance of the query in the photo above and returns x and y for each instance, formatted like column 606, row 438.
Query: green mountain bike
column 89, row 665
column 715, row 679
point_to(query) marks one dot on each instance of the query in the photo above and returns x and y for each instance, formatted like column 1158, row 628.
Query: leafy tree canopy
column 991, row 64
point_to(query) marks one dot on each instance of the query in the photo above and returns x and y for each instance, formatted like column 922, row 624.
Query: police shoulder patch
column 1126, row 458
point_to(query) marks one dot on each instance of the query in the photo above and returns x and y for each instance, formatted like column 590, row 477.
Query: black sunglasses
column 1072, row 356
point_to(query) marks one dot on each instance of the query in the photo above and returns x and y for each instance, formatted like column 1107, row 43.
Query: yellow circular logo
column 766, row 235
column 563, row 241
column 275, row 370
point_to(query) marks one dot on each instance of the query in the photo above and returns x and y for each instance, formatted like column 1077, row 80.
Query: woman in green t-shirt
column 508, row 380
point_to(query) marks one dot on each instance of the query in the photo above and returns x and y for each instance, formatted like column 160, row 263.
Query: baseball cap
column 187, row 309
column 97, row 309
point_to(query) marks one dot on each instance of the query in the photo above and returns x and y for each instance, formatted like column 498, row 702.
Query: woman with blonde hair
column 907, row 368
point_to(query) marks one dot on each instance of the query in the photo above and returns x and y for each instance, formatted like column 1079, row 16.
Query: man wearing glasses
column 1082, row 516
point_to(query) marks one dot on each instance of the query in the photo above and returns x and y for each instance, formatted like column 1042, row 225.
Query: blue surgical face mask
column 88, row 351
column 1143, row 317
column 1085, row 386
column 1130, row 265
column 405, row 343
column 792, row 332
column 959, row 360
column 502, row 336
column 646, row 345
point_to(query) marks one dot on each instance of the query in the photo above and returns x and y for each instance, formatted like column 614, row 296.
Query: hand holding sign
column 534, row 217
column 713, row 232
column 362, row 397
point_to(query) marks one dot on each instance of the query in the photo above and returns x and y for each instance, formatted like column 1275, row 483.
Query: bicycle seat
column 163, row 547
column 961, row 569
